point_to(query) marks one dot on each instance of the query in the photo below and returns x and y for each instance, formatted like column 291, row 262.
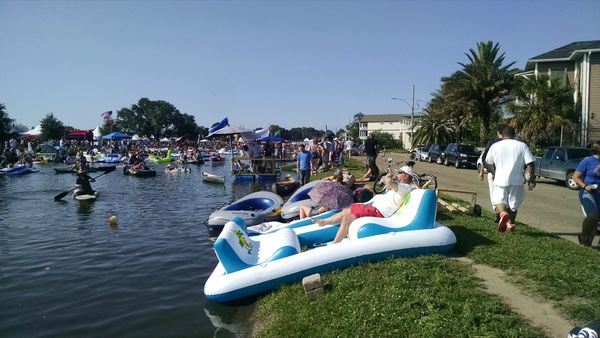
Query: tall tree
column 354, row 126
column 5, row 124
column 542, row 107
column 487, row 82
column 154, row 118
column 432, row 129
column 52, row 128
column 452, row 107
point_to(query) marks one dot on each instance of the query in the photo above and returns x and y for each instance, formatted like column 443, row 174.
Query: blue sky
column 291, row 63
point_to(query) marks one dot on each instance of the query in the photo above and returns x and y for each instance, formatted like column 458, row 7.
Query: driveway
column 550, row 206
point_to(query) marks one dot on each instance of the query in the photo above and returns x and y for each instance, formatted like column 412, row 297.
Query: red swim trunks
column 361, row 210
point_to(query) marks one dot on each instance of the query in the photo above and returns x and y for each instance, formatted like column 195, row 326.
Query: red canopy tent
column 76, row 134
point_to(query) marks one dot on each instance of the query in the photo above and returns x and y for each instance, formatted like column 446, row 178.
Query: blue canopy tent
column 271, row 138
column 116, row 136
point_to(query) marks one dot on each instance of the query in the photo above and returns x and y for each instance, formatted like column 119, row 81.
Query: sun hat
column 405, row 169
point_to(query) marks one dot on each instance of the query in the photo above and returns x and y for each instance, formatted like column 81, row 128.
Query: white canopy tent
column 34, row 132
column 97, row 133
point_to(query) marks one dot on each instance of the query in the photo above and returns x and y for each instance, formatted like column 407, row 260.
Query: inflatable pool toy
column 291, row 208
column 250, row 265
column 255, row 208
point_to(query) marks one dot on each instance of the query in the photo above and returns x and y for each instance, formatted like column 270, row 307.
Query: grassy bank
column 434, row 296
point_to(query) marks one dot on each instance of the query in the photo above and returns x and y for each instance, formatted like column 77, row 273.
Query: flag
column 217, row 126
column 107, row 115
column 261, row 133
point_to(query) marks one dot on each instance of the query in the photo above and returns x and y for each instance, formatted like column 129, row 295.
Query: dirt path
column 540, row 314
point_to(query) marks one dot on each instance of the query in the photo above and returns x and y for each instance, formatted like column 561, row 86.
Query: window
column 560, row 74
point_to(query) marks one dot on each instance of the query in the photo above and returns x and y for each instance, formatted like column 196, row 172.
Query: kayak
column 68, row 170
column 208, row 177
column 85, row 197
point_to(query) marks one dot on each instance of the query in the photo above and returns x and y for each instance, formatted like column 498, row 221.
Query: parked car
column 435, row 153
column 461, row 155
column 420, row 153
column 559, row 163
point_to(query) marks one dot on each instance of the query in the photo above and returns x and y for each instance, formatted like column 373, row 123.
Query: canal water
column 64, row 271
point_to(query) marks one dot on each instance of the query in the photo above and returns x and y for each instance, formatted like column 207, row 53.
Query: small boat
column 85, row 197
column 166, row 159
column 250, row 265
column 109, row 158
column 286, row 186
column 139, row 172
column 19, row 169
column 291, row 208
column 208, row 177
column 68, row 170
column 255, row 208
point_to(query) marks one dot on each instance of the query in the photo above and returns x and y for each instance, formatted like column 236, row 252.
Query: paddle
column 65, row 193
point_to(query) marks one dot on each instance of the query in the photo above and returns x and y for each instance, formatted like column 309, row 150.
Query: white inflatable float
column 291, row 208
column 255, row 208
column 287, row 252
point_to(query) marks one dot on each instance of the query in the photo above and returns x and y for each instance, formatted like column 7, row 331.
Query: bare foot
column 318, row 222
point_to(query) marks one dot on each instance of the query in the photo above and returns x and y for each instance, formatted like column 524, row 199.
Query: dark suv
column 435, row 153
column 461, row 155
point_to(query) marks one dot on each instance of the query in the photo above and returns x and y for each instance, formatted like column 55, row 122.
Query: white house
column 398, row 125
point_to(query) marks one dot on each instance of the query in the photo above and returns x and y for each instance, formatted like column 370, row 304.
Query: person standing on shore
column 587, row 177
column 303, row 164
column 506, row 160
column 371, row 148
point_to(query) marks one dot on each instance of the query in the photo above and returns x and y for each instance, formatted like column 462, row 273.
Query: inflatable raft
column 250, row 265
column 19, row 170
column 255, row 208
column 208, row 177
column 291, row 208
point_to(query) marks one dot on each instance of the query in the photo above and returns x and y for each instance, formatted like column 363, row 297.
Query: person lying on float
column 384, row 205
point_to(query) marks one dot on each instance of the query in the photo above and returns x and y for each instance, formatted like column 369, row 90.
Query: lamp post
column 412, row 111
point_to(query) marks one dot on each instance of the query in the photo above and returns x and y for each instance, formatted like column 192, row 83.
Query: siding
column 594, row 97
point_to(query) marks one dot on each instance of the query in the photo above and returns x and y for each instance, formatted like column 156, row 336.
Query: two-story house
column 398, row 125
column 578, row 64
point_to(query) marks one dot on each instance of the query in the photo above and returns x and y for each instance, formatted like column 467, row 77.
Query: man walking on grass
column 506, row 160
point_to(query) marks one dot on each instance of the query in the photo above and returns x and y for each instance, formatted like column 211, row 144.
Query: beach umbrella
column 331, row 195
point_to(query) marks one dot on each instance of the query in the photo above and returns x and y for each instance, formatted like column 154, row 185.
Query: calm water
column 65, row 272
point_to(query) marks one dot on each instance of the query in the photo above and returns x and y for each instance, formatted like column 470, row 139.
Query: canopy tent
column 164, row 139
column 306, row 140
column 116, row 136
column 34, row 132
column 97, row 133
column 224, row 129
column 272, row 138
column 76, row 134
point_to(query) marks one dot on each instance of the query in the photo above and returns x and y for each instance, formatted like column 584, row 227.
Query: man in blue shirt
column 303, row 164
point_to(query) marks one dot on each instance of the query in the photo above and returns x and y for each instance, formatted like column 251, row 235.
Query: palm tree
column 451, row 105
column 432, row 129
column 486, row 82
column 543, row 105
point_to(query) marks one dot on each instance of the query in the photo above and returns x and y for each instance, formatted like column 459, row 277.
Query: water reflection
column 229, row 321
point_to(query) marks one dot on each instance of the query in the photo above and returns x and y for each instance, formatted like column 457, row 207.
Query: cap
column 406, row 169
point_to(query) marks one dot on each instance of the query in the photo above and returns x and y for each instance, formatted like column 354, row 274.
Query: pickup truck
column 559, row 163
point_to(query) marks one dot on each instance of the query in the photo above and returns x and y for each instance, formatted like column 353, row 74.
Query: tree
column 542, row 107
column 486, row 82
column 52, row 128
column 353, row 126
column 154, row 118
column 432, row 129
column 5, row 124
column 453, row 109
column 185, row 125
column 385, row 140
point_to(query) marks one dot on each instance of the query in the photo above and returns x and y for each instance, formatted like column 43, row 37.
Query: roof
column 565, row 52
column 384, row 117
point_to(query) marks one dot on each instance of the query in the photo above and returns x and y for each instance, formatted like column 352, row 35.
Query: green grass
column 433, row 296
column 429, row 296
column 550, row 268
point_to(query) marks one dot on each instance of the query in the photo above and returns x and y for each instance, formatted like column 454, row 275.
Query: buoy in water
column 112, row 221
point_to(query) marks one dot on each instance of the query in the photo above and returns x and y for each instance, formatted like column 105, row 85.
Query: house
column 578, row 64
column 398, row 125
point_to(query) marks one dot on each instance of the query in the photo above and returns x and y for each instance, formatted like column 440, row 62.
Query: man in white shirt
column 384, row 205
column 506, row 160
column 349, row 145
